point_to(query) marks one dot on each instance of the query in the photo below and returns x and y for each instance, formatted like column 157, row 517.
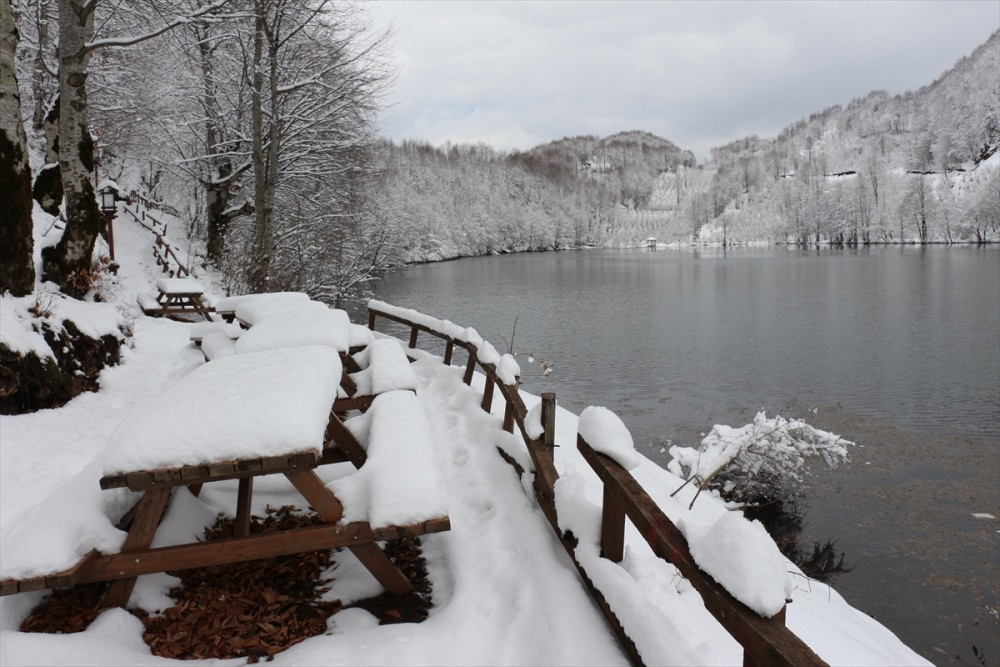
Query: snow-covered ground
column 504, row 590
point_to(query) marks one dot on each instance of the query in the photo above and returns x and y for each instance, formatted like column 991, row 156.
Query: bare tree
column 68, row 262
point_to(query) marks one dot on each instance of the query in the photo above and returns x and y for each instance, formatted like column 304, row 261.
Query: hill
column 916, row 167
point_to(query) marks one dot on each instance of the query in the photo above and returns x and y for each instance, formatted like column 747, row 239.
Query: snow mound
column 605, row 432
column 740, row 555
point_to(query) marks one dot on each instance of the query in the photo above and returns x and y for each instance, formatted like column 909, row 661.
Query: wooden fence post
column 471, row 367
column 612, row 527
column 449, row 349
column 488, row 393
column 414, row 331
column 371, row 319
column 549, row 420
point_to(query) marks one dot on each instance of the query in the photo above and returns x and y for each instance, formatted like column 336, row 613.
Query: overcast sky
column 518, row 74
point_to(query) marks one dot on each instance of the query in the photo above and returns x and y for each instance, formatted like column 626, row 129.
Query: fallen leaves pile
column 249, row 610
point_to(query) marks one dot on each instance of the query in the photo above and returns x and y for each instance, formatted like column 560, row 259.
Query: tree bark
column 68, row 262
column 263, row 237
column 48, row 190
column 17, row 272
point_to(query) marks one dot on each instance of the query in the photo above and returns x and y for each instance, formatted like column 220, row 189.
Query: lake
column 897, row 348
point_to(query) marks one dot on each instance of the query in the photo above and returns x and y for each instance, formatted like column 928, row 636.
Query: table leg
column 329, row 509
column 242, row 528
column 140, row 536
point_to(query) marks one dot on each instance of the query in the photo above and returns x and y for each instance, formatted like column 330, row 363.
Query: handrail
column 153, row 205
column 765, row 641
column 515, row 412
column 159, row 228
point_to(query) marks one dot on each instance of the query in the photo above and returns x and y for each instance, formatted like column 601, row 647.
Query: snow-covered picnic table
column 175, row 296
column 261, row 413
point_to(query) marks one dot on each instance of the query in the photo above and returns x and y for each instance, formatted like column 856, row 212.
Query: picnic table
column 265, row 413
column 175, row 296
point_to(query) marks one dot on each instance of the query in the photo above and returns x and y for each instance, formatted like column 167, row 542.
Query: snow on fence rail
column 765, row 641
column 149, row 204
column 163, row 250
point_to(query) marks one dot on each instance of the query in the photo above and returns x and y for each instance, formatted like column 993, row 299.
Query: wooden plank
column 449, row 350
column 140, row 535
column 414, row 331
column 767, row 641
column 243, row 496
column 8, row 587
column 215, row 472
column 387, row 574
column 353, row 403
column 70, row 577
column 612, row 526
column 347, row 382
column 253, row 547
column 308, row 483
column 340, row 436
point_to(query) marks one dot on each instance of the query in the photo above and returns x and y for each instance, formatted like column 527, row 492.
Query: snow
column 217, row 344
column 508, row 370
column 605, row 432
column 503, row 590
column 298, row 327
column 740, row 555
column 400, row 482
column 384, row 368
column 228, row 304
column 201, row 329
column 254, row 311
column 16, row 328
column 245, row 405
column 360, row 335
column 533, row 422
column 179, row 286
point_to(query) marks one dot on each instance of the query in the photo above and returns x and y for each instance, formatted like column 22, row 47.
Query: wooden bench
column 382, row 367
column 176, row 296
column 239, row 418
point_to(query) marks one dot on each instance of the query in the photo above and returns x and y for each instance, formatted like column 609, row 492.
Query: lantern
column 108, row 197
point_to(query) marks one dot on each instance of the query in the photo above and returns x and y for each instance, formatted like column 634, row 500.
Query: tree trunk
column 48, row 190
column 68, row 263
column 263, row 220
column 39, row 71
column 17, row 271
column 220, row 167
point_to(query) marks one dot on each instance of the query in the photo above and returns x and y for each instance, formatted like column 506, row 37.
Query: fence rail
column 765, row 641
column 163, row 250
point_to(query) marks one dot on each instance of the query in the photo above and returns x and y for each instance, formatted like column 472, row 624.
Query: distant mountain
column 625, row 164
column 917, row 167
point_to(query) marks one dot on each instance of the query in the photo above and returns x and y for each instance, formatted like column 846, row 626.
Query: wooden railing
column 765, row 641
column 163, row 251
column 149, row 204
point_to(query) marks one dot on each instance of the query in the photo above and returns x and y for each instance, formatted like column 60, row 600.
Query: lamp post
column 109, row 195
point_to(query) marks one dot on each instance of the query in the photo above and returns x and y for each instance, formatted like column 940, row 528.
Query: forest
column 256, row 120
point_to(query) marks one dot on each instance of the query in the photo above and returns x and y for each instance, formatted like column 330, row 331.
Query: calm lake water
column 896, row 348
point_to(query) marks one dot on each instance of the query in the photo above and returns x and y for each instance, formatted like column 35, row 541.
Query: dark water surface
column 896, row 348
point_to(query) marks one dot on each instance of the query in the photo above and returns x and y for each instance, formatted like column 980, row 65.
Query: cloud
column 515, row 74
